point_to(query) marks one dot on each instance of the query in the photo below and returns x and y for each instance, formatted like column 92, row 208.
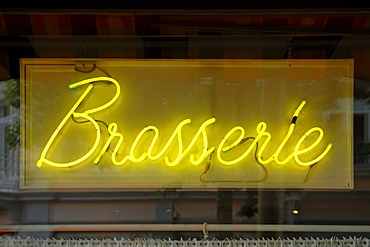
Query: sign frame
column 40, row 77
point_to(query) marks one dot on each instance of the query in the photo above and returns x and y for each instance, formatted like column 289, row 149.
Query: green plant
column 12, row 93
column 12, row 99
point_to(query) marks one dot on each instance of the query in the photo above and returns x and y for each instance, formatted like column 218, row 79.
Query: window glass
column 173, row 35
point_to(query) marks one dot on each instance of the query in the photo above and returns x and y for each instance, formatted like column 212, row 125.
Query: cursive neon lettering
column 290, row 132
column 112, row 129
column 298, row 152
column 235, row 137
column 205, row 151
column 261, row 130
column 73, row 113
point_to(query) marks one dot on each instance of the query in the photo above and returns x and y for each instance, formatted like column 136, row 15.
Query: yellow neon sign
column 136, row 155
column 261, row 130
column 85, row 115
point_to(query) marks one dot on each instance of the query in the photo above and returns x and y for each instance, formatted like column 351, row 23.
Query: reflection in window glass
column 273, row 35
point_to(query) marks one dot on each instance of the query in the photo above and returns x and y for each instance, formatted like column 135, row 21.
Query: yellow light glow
column 261, row 127
column 112, row 128
column 133, row 124
column 114, row 134
column 152, row 129
column 261, row 132
column 298, row 152
column 58, row 129
column 176, row 132
column 205, row 150
column 137, row 155
column 236, row 142
column 97, row 79
column 72, row 113
column 290, row 132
